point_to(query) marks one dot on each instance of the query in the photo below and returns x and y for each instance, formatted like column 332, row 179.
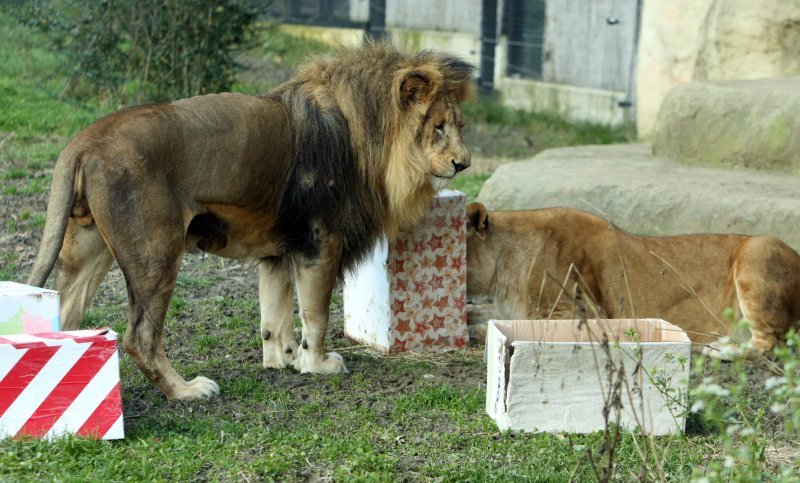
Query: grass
column 400, row 417
column 286, row 426
column 494, row 130
column 30, row 83
column 470, row 184
column 391, row 418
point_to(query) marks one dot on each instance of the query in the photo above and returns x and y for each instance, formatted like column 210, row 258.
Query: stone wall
column 685, row 40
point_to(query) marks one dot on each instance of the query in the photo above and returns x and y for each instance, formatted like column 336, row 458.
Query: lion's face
column 442, row 143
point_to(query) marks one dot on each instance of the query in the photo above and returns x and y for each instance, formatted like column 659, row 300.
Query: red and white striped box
column 58, row 383
column 410, row 294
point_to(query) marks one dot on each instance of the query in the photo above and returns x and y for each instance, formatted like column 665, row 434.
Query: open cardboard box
column 554, row 375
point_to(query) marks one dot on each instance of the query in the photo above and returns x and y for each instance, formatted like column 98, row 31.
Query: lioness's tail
column 62, row 197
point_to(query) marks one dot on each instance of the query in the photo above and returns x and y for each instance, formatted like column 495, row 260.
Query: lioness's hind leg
column 277, row 313
column 83, row 262
column 763, row 273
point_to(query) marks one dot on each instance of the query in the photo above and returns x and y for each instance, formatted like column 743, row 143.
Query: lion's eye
column 440, row 128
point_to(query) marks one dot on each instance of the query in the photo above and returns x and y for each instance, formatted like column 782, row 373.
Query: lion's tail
column 62, row 197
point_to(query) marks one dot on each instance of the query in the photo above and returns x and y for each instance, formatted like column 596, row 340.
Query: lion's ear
column 418, row 86
column 477, row 219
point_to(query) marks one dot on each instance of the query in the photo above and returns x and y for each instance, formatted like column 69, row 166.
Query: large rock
column 748, row 123
column 646, row 195
column 685, row 40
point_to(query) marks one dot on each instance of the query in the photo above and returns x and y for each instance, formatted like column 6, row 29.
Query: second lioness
column 523, row 259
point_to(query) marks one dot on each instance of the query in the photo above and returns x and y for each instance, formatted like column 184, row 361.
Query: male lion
column 304, row 179
column 524, row 258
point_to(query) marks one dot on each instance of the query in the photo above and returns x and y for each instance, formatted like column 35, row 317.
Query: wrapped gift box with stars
column 410, row 294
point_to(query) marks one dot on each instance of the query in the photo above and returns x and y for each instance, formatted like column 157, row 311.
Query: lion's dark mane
column 323, row 185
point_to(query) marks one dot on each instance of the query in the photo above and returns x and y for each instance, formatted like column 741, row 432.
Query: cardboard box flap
column 571, row 331
column 13, row 289
column 58, row 338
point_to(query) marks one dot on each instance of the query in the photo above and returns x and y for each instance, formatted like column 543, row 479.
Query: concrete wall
column 465, row 45
column 573, row 103
column 684, row 40
column 326, row 35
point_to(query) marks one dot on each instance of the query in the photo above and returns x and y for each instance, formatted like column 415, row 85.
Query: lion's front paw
column 198, row 388
column 278, row 354
column 329, row 363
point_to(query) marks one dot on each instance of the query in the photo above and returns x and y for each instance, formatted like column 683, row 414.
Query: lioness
column 523, row 259
column 305, row 179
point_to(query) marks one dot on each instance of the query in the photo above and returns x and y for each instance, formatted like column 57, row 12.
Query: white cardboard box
column 410, row 294
column 58, row 383
column 27, row 309
column 552, row 375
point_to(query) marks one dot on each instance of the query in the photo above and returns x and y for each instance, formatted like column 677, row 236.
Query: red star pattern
column 427, row 275
column 399, row 345
column 427, row 302
column 399, row 306
column 435, row 242
column 437, row 282
column 440, row 263
column 459, row 303
column 401, row 285
column 442, row 303
column 403, row 326
column 421, row 327
column 438, row 322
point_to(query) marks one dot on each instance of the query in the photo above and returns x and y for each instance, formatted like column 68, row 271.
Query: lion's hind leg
column 277, row 313
column 315, row 281
column 150, row 287
column 83, row 262
column 143, row 226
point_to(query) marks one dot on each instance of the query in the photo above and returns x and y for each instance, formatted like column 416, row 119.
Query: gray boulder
column 647, row 195
column 741, row 123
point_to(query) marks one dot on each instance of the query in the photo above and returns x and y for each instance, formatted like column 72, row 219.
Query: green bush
column 144, row 50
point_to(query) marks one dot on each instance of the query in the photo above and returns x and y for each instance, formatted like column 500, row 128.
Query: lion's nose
column 459, row 166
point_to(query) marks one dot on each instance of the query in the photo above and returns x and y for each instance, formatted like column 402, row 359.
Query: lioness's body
column 524, row 258
column 305, row 178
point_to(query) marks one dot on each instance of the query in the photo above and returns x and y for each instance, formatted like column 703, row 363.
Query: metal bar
column 488, row 41
column 376, row 25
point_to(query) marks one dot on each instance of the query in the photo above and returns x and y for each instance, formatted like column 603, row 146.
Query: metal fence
column 584, row 43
